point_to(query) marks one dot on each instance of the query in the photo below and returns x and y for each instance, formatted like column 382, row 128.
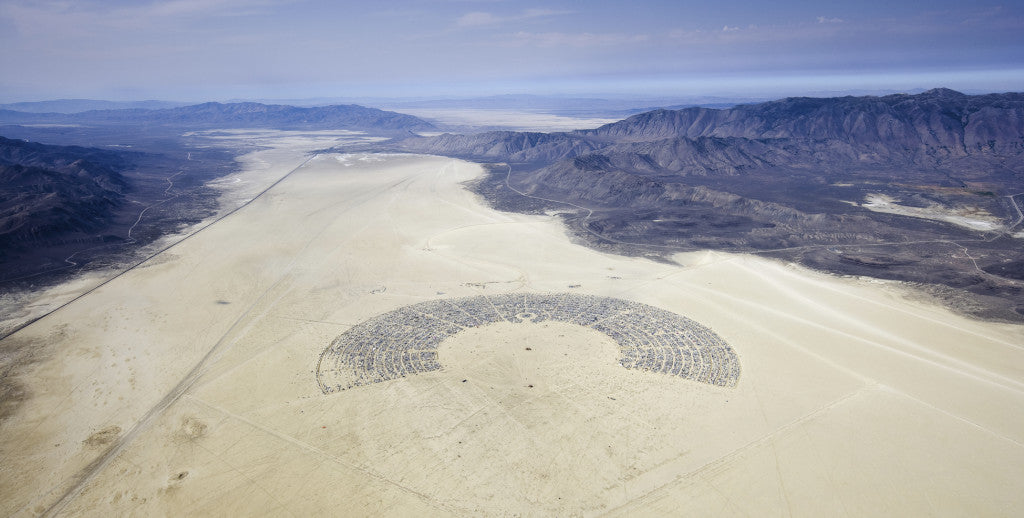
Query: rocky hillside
column 48, row 192
column 936, row 121
column 925, row 129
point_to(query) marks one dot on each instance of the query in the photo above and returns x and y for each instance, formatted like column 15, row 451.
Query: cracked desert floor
column 187, row 386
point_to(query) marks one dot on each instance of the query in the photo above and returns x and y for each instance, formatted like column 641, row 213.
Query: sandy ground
column 187, row 386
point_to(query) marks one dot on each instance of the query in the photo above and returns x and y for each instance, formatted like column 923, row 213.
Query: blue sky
column 195, row 50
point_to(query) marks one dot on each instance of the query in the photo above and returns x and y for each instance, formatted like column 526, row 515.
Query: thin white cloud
column 757, row 34
column 479, row 18
column 537, row 13
column 52, row 14
column 476, row 19
column 827, row 19
column 175, row 8
column 187, row 7
column 577, row 40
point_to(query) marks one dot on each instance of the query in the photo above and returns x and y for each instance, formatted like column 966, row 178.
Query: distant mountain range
column 939, row 123
column 790, row 178
column 81, row 105
column 566, row 106
column 235, row 115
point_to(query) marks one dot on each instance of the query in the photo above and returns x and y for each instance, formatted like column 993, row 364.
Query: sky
column 199, row 50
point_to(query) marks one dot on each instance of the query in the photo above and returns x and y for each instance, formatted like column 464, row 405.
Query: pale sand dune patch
column 973, row 218
column 852, row 400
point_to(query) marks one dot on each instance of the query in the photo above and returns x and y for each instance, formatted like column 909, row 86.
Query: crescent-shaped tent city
column 404, row 341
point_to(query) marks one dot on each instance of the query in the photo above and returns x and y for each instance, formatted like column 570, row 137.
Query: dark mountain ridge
column 938, row 119
column 56, row 191
column 940, row 123
column 67, row 208
column 793, row 179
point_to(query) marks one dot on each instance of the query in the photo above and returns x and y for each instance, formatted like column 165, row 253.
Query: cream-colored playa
column 513, row 120
column 280, row 152
column 187, row 386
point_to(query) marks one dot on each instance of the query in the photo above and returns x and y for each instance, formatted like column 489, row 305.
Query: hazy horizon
column 192, row 51
column 396, row 101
